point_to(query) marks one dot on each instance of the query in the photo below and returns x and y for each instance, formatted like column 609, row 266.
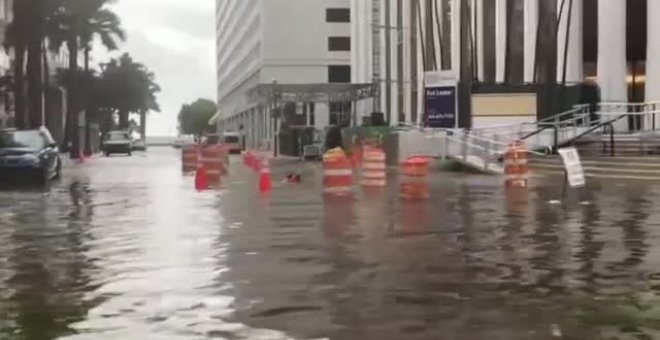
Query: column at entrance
column 574, row 57
column 653, row 52
column 612, row 67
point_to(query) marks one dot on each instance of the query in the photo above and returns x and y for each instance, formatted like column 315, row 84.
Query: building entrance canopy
column 310, row 93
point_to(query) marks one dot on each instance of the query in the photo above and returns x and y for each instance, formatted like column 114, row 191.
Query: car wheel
column 107, row 154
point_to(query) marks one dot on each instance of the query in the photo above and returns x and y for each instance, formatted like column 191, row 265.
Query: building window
column 339, row 74
column 340, row 113
column 338, row 15
column 339, row 43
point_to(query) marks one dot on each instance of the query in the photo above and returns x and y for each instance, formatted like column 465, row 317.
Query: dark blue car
column 29, row 154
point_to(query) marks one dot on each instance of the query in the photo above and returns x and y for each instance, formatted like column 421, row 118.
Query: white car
column 183, row 141
column 118, row 142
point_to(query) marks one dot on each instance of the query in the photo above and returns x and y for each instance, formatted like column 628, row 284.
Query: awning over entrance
column 311, row 93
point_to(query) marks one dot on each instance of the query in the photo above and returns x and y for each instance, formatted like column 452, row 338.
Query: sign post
column 573, row 166
column 441, row 99
column 574, row 173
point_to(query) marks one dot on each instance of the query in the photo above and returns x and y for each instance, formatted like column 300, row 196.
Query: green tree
column 127, row 87
column 194, row 118
column 26, row 34
column 76, row 23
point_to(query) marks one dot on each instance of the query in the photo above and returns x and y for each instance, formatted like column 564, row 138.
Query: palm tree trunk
column 88, row 134
column 72, row 100
column 47, row 92
column 35, row 84
column 143, row 125
column 123, row 119
column 19, row 86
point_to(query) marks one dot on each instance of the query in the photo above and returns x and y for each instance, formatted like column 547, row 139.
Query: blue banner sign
column 440, row 107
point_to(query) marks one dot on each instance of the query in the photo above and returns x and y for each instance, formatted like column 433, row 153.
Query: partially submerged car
column 29, row 154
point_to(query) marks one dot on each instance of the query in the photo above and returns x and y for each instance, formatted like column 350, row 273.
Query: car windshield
column 118, row 136
column 231, row 139
column 22, row 139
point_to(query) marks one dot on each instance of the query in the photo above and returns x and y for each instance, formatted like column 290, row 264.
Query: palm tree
column 106, row 25
column 77, row 23
column 25, row 35
column 129, row 87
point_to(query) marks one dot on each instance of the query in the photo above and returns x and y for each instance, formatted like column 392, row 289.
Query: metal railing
column 484, row 148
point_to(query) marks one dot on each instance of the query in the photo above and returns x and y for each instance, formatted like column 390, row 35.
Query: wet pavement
column 124, row 248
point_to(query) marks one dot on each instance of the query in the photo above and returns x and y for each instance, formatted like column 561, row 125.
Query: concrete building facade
column 283, row 41
column 612, row 43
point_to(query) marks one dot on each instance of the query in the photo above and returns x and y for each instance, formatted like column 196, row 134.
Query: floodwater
column 124, row 248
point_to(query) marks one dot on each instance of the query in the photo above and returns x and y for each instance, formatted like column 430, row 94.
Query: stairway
column 620, row 145
column 643, row 168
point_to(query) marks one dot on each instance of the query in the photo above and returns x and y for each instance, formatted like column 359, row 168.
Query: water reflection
column 125, row 248
column 46, row 271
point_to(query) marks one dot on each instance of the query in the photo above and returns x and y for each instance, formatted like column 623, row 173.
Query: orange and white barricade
column 374, row 169
column 337, row 173
column 211, row 159
column 189, row 155
column 516, row 169
column 414, row 184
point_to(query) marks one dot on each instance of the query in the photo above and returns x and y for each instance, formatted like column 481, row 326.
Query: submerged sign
column 573, row 165
column 440, row 107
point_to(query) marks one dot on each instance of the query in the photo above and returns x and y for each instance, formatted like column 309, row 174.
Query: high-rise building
column 281, row 41
column 505, row 53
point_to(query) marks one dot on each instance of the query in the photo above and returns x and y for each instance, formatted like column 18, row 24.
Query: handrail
column 596, row 127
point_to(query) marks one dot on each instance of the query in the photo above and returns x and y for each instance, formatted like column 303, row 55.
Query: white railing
column 483, row 148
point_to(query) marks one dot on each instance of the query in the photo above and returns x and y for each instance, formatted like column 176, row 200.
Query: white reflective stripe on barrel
column 375, row 174
column 333, row 190
column 337, row 172
column 374, row 182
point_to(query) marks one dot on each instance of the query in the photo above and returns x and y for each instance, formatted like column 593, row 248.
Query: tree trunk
column 123, row 119
column 35, row 84
column 19, row 86
column 143, row 125
column 88, row 133
column 72, row 100
column 47, row 92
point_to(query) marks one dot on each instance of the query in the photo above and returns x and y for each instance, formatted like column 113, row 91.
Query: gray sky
column 176, row 40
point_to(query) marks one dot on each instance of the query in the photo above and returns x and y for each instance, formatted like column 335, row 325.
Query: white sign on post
column 573, row 166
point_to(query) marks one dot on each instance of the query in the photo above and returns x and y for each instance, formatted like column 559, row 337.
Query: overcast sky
column 176, row 40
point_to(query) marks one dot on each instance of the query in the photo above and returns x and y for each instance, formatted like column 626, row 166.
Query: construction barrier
column 337, row 173
column 374, row 168
column 189, row 155
column 256, row 162
column 212, row 160
column 414, row 185
column 516, row 169
column 265, row 180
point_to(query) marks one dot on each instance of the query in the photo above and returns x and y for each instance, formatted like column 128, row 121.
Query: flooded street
column 124, row 248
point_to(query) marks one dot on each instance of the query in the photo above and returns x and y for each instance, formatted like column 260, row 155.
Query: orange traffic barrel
column 414, row 185
column 211, row 160
column 265, row 180
column 189, row 155
column 374, row 168
column 337, row 175
column 516, row 169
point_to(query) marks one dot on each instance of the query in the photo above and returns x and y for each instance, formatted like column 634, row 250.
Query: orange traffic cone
column 201, row 181
column 265, row 181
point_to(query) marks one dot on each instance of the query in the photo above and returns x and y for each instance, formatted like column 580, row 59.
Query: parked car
column 140, row 145
column 233, row 140
column 183, row 141
column 31, row 154
column 118, row 142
